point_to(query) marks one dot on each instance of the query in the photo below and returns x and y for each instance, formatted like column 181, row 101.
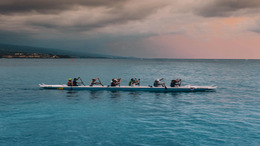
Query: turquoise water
column 31, row 116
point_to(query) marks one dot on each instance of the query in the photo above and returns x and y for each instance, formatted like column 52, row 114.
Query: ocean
column 33, row 116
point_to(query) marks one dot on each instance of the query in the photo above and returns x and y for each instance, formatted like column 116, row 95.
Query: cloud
column 129, row 27
column 78, row 16
column 256, row 27
column 86, row 19
column 224, row 8
column 51, row 6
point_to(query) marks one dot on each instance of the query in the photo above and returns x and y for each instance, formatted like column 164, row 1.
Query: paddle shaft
column 81, row 81
column 164, row 85
column 100, row 82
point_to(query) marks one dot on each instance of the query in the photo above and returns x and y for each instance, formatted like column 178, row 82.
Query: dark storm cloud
column 85, row 19
column 223, row 8
column 50, row 6
column 255, row 28
column 75, row 15
column 85, row 23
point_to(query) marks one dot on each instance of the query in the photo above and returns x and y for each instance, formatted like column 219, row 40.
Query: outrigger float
column 187, row 88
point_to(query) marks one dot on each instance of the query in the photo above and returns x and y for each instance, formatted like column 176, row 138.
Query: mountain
column 6, row 49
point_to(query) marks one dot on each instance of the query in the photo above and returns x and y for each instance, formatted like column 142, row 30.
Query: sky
column 198, row 29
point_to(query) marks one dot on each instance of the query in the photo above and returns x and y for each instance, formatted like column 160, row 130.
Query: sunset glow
column 214, row 29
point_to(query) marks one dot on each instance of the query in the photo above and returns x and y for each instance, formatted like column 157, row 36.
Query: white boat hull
column 186, row 88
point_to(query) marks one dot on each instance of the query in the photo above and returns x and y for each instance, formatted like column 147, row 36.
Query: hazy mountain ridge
column 6, row 49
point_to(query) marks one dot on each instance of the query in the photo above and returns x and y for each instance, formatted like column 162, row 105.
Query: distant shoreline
column 12, row 51
column 32, row 55
column 159, row 59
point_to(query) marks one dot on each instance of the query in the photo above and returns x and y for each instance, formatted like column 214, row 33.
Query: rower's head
column 75, row 79
column 69, row 79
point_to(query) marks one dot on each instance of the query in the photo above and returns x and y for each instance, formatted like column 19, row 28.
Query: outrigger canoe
column 187, row 88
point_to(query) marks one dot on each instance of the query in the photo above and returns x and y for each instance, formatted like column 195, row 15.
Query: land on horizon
column 22, row 51
column 19, row 51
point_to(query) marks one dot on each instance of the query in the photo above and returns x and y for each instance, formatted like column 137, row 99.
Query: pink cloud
column 181, row 46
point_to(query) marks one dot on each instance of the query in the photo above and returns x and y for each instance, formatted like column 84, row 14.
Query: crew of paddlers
column 117, row 82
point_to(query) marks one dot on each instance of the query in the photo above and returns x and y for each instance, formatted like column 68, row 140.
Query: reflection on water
column 160, row 94
column 117, row 94
column 95, row 94
column 72, row 93
column 175, row 94
column 114, row 94
column 134, row 94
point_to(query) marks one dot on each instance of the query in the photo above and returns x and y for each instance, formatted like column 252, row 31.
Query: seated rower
column 131, row 82
column 175, row 83
column 75, row 83
column 137, row 82
column 116, row 82
column 94, row 82
column 134, row 82
column 70, row 83
column 178, row 83
column 159, row 82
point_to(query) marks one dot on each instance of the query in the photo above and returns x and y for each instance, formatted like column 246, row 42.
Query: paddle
column 164, row 84
column 119, row 82
column 81, row 81
column 100, row 82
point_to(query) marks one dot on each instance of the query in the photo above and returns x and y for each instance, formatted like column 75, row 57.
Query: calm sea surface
column 31, row 116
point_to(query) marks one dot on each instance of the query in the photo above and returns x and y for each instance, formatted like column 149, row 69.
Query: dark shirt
column 173, row 83
column 113, row 84
column 75, row 83
column 155, row 84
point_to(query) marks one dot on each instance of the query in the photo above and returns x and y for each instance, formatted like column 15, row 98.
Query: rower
column 94, row 82
column 134, row 82
column 116, row 82
column 75, row 83
column 158, row 82
column 131, row 82
column 178, row 83
column 70, row 83
column 137, row 82
column 175, row 83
